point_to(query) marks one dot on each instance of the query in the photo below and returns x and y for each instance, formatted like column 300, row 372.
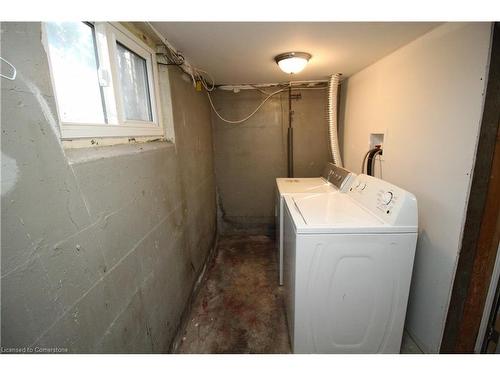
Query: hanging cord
column 246, row 118
column 258, row 107
column 203, row 80
column 14, row 71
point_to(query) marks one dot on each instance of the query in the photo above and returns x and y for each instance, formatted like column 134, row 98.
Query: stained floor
column 239, row 308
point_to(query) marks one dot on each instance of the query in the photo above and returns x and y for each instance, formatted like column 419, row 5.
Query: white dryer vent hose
column 333, row 86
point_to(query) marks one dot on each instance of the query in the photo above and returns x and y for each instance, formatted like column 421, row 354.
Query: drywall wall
column 249, row 156
column 100, row 247
column 427, row 98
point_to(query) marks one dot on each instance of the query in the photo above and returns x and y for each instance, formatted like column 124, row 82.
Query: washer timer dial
column 387, row 197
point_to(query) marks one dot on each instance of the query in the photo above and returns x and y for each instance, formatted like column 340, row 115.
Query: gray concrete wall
column 100, row 248
column 249, row 156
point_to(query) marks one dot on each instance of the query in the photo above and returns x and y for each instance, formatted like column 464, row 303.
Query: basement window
column 105, row 81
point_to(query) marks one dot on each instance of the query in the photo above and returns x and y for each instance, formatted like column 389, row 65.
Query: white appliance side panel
column 289, row 252
column 351, row 292
column 277, row 219
column 279, row 234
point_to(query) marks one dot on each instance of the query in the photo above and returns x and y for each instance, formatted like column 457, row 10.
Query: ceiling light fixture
column 292, row 62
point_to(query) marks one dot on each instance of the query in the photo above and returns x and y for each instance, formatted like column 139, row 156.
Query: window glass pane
column 74, row 67
column 133, row 75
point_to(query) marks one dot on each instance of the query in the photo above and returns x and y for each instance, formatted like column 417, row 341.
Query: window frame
column 106, row 36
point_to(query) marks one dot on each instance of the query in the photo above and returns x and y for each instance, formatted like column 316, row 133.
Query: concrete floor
column 408, row 346
column 239, row 308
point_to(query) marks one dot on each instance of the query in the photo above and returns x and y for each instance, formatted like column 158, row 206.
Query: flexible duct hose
column 370, row 170
column 333, row 86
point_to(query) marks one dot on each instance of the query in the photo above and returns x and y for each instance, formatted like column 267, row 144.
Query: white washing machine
column 348, row 261
column 334, row 179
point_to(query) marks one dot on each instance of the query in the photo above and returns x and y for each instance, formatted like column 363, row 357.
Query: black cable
column 374, row 160
column 371, row 158
column 364, row 161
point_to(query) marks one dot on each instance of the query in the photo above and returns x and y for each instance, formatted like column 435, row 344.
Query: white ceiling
column 243, row 52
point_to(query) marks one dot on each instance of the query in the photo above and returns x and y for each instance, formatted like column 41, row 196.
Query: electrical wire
column 203, row 81
column 256, row 109
column 183, row 64
column 259, row 89
column 175, row 57
column 170, row 48
column 247, row 117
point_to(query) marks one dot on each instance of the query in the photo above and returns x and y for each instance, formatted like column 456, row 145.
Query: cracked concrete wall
column 100, row 247
column 249, row 156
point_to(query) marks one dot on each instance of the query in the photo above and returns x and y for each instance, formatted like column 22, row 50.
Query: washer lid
column 304, row 185
column 336, row 213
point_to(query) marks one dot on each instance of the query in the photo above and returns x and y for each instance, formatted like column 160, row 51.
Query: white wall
column 427, row 97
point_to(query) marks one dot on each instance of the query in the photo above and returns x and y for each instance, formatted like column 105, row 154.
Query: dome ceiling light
column 292, row 62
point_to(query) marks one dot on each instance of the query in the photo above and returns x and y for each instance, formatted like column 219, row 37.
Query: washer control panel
column 389, row 202
column 340, row 177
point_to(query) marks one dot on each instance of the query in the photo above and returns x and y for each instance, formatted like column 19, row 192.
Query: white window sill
column 77, row 131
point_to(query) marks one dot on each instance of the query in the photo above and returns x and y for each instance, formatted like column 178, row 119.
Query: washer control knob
column 387, row 197
column 362, row 186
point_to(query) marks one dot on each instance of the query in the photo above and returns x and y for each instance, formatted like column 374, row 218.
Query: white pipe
column 333, row 86
column 258, row 87
column 252, row 86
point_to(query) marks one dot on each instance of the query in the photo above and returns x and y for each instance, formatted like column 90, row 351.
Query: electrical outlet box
column 376, row 139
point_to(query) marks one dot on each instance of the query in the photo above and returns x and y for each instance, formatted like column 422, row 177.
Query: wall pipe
column 290, row 133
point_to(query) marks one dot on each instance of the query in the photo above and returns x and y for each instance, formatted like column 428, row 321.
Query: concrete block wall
column 249, row 156
column 100, row 247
